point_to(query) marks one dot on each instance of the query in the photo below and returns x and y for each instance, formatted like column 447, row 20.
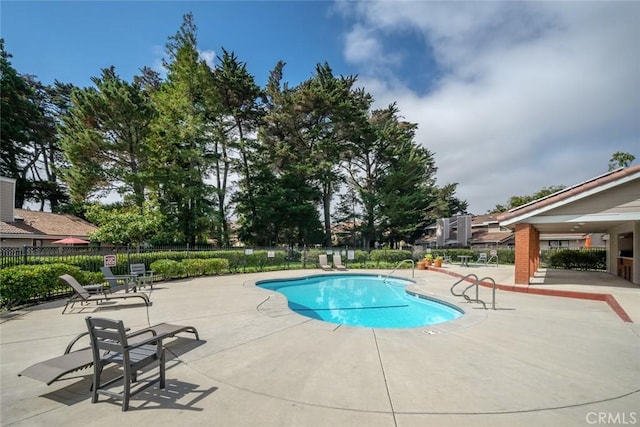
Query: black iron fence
column 92, row 258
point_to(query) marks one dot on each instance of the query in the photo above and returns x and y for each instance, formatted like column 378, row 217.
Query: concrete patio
column 536, row 360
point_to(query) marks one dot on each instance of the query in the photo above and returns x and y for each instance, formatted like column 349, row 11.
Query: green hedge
column 168, row 269
column 171, row 269
column 25, row 283
column 389, row 255
column 237, row 261
column 576, row 259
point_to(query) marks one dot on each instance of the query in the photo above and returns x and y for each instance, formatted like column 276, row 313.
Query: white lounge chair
column 337, row 261
column 324, row 264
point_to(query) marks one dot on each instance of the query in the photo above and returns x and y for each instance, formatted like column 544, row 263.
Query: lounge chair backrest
column 337, row 261
column 323, row 259
column 106, row 334
column 111, row 278
column 77, row 287
column 138, row 269
column 108, row 276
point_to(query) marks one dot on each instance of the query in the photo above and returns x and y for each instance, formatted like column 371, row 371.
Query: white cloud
column 529, row 94
column 208, row 56
column 158, row 64
column 361, row 46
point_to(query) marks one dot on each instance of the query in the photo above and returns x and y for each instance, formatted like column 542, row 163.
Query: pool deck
column 535, row 360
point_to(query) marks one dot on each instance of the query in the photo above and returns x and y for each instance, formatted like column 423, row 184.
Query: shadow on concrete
column 551, row 276
column 168, row 398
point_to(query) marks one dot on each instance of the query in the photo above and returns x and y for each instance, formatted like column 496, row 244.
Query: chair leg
column 97, row 370
column 127, row 390
column 162, row 366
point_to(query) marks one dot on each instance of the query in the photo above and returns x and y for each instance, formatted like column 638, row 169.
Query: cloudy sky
column 510, row 96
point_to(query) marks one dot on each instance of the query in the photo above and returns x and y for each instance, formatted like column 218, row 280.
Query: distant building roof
column 486, row 219
column 17, row 227
column 498, row 237
column 46, row 224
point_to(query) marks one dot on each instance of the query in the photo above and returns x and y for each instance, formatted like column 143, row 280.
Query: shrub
column 215, row 265
column 168, row 269
column 25, row 283
column 391, row 256
column 582, row 259
column 194, row 267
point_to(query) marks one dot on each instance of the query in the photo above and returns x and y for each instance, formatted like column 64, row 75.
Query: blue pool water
column 360, row 300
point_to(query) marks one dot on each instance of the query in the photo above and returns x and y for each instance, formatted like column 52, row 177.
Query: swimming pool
column 361, row 300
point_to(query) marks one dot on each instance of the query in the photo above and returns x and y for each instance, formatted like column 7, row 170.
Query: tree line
column 205, row 148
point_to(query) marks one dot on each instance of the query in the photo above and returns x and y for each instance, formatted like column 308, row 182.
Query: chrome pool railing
column 476, row 283
column 413, row 268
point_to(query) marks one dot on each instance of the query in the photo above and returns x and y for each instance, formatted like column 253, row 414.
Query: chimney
column 464, row 230
column 7, row 199
column 442, row 231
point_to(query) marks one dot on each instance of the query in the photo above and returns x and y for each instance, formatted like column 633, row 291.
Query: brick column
column 527, row 253
column 534, row 252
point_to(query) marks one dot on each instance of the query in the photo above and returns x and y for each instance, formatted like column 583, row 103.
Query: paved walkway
column 536, row 360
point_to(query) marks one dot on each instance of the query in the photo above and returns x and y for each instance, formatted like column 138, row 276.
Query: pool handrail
column 413, row 268
column 493, row 301
column 463, row 280
column 476, row 283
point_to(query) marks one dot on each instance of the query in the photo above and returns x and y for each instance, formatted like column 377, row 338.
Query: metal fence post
column 304, row 256
column 24, row 254
column 128, row 256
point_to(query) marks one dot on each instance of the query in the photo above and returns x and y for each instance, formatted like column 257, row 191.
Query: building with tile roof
column 21, row 227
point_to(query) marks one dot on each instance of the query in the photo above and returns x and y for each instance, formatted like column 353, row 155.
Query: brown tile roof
column 48, row 224
column 17, row 228
column 478, row 220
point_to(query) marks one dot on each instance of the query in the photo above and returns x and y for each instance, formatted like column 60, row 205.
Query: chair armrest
column 141, row 332
column 122, row 276
column 73, row 341
column 155, row 339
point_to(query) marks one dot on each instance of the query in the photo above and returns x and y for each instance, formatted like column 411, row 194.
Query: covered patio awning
column 609, row 203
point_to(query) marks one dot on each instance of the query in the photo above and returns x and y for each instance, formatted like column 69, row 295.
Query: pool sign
column 109, row 260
